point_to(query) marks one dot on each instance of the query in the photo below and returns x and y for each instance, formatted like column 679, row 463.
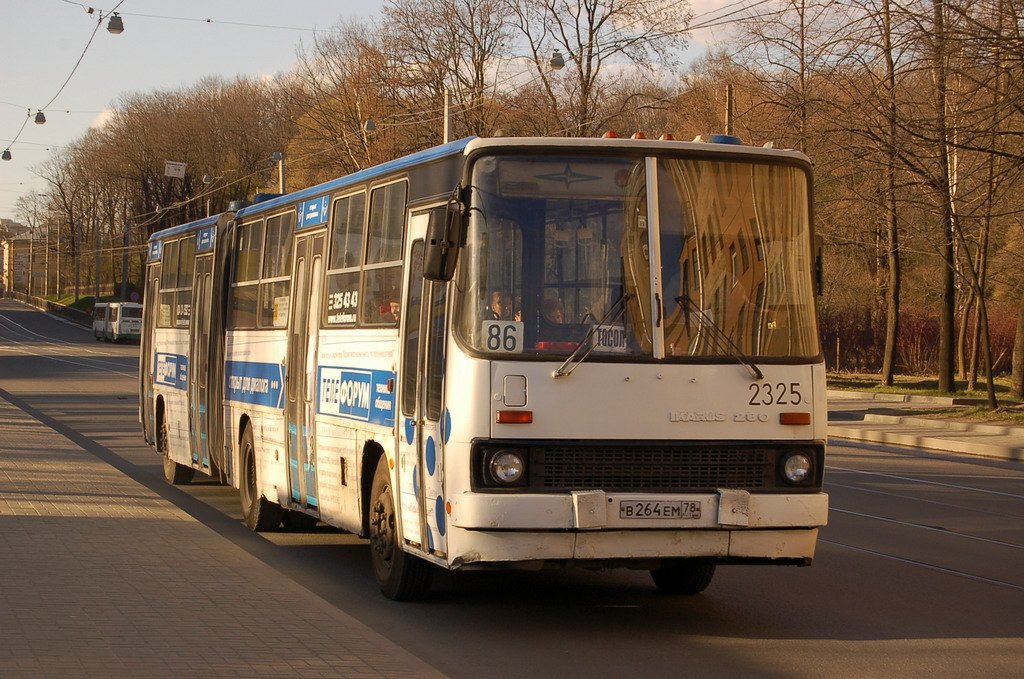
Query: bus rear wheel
column 686, row 576
column 400, row 575
column 176, row 474
column 260, row 514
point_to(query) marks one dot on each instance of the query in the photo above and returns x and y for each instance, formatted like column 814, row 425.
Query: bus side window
column 186, row 270
column 168, row 282
column 346, row 256
column 381, row 284
column 245, row 275
column 277, row 261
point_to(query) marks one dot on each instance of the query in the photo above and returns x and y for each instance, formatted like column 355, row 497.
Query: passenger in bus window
column 553, row 311
column 500, row 307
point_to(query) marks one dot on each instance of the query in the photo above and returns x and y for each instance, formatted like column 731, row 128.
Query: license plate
column 643, row 509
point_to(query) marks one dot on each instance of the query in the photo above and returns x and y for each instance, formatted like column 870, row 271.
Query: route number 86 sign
column 503, row 337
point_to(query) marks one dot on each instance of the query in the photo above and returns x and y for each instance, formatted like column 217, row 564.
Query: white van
column 117, row 321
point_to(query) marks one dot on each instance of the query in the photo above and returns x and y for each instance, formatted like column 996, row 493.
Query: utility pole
column 46, row 268
column 78, row 258
column 31, row 257
column 96, row 275
column 728, row 110
column 447, row 116
column 124, row 264
column 58, row 257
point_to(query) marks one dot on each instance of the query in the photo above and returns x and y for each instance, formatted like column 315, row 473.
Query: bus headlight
column 797, row 467
column 507, row 467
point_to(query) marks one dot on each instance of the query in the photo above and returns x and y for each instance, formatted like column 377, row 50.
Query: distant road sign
column 174, row 169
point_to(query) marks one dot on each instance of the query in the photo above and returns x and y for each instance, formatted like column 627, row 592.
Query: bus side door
column 423, row 428
column 147, row 412
column 300, row 372
column 199, row 358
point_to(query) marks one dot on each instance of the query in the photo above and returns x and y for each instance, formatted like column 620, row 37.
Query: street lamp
column 115, row 25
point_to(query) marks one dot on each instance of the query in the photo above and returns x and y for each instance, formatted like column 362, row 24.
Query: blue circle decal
column 439, row 514
column 410, row 430
column 447, row 425
column 416, row 481
column 431, row 455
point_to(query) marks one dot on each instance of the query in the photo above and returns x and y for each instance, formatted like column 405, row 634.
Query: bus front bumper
column 729, row 525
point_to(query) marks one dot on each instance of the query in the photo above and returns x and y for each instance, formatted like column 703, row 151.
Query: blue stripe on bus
column 170, row 370
column 183, row 228
column 356, row 394
column 255, row 383
column 445, row 150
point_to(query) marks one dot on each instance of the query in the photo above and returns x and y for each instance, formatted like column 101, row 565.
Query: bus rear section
column 181, row 357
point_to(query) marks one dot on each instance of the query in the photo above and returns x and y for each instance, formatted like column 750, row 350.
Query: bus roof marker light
column 638, row 135
column 610, row 134
column 666, row 137
column 725, row 139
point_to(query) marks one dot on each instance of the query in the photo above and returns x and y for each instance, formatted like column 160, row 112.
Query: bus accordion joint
column 513, row 417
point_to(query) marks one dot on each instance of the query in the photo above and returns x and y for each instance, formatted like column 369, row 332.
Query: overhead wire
column 713, row 18
column 78, row 63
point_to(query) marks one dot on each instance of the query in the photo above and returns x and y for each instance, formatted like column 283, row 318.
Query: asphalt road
column 920, row 571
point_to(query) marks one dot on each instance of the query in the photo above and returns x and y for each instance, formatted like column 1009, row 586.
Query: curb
column 842, row 395
column 952, row 425
column 966, row 446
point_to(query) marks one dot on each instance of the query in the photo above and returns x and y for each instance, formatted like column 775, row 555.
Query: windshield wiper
column 560, row 371
column 729, row 346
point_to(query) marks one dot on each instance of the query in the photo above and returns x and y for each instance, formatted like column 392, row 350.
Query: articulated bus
column 508, row 353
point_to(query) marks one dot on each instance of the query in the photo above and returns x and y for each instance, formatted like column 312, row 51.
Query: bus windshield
column 559, row 251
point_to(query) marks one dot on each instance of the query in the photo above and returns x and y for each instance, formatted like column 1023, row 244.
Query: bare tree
column 458, row 44
column 603, row 42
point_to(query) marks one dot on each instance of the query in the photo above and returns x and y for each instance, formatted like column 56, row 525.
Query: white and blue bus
column 508, row 353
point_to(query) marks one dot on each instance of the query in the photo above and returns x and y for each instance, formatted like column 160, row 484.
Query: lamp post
column 96, row 273
column 278, row 157
column 447, row 115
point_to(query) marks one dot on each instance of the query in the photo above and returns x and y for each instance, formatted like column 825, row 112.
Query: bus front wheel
column 400, row 575
column 260, row 513
column 687, row 576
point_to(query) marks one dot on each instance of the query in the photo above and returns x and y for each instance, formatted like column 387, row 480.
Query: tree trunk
column 1017, row 371
column 892, row 313
column 947, row 382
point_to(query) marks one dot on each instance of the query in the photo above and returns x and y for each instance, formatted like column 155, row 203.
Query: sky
column 165, row 45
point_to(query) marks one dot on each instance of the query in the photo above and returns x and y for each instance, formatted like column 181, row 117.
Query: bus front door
column 146, row 370
column 300, row 370
column 424, row 425
column 199, row 363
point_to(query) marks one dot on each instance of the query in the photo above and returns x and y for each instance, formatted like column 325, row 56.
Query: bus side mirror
column 444, row 233
column 819, row 264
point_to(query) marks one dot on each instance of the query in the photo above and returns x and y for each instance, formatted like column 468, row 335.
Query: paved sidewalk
column 99, row 576
column 889, row 418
